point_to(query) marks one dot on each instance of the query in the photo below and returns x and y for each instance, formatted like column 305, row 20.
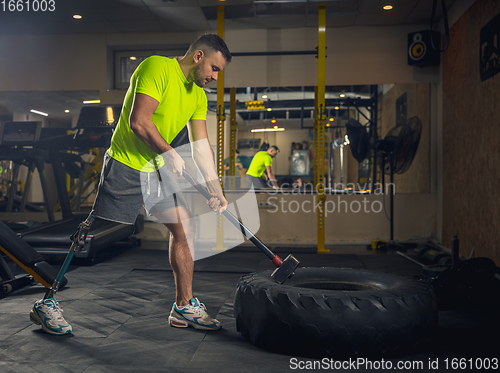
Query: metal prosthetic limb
column 78, row 239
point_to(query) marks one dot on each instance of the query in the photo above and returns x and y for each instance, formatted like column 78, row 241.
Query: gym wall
column 355, row 55
column 471, row 139
column 364, row 55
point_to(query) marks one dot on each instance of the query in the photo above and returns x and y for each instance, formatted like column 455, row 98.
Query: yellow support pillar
column 232, row 140
column 221, row 118
column 320, row 129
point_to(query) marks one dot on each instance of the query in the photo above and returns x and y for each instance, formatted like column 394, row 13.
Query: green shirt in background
column 179, row 102
column 244, row 160
column 259, row 163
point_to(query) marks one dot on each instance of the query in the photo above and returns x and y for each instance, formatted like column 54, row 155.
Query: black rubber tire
column 336, row 312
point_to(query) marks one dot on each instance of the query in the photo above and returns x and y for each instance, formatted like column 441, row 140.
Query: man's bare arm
column 141, row 123
column 203, row 156
column 272, row 178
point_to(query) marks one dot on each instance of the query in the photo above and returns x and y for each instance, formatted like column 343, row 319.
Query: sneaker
column 48, row 314
column 194, row 314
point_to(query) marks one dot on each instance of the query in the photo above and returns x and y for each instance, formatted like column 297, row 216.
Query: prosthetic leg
column 47, row 312
column 78, row 239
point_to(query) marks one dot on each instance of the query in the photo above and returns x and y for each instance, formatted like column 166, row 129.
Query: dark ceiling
column 142, row 16
column 113, row 16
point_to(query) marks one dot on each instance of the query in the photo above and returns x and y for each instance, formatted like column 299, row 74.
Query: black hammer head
column 286, row 269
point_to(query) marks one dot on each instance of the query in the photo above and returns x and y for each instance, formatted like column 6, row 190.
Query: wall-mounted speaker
column 420, row 50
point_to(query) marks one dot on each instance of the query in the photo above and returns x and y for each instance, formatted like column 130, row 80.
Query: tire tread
column 334, row 323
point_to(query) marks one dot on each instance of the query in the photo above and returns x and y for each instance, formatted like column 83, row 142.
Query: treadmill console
column 19, row 133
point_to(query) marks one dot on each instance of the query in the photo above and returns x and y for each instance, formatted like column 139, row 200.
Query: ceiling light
column 133, row 58
column 77, row 16
column 39, row 112
column 387, row 7
column 269, row 109
column 268, row 129
column 275, row 127
column 66, row 111
column 332, row 119
column 92, row 102
column 264, row 96
column 336, row 108
column 342, row 95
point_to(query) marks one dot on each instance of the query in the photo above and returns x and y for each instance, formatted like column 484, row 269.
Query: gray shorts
column 122, row 191
column 257, row 182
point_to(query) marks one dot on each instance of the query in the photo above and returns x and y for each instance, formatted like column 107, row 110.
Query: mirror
column 284, row 116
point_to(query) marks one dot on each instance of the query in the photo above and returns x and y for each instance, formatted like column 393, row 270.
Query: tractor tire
column 336, row 312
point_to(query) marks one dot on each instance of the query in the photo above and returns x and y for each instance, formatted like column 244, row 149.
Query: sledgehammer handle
column 277, row 261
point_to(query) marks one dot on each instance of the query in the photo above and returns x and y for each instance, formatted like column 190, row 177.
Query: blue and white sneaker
column 194, row 314
column 48, row 314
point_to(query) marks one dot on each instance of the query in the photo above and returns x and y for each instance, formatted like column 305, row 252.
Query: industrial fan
column 359, row 139
column 399, row 146
column 396, row 153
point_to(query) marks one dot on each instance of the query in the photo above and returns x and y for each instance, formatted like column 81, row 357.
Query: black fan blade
column 359, row 139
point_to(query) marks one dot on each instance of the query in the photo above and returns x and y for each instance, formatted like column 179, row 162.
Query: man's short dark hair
column 212, row 43
column 275, row 148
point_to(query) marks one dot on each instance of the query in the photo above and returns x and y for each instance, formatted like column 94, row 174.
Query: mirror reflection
column 365, row 125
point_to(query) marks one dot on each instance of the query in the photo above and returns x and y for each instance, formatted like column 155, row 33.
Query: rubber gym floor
column 119, row 306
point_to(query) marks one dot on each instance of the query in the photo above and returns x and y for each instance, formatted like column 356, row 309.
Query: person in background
column 242, row 163
column 236, row 162
column 262, row 161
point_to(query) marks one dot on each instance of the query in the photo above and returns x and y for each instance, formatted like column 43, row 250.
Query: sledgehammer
column 285, row 268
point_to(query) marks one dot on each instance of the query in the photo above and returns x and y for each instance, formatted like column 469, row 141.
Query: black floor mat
column 119, row 308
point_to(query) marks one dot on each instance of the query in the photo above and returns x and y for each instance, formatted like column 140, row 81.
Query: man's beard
column 197, row 79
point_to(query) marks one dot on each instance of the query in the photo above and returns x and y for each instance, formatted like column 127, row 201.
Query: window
column 249, row 143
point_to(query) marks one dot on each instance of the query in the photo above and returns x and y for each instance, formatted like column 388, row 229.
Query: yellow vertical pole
column 320, row 128
column 232, row 139
column 221, row 118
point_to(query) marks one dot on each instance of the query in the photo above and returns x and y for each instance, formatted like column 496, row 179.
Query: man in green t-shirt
column 262, row 161
column 165, row 95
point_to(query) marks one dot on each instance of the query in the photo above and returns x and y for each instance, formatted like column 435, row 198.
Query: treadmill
column 54, row 238
column 94, row 130
column 16, row 141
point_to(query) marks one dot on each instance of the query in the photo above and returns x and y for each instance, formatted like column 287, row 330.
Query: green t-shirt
column 179, row 102
column 259, row 163
column 244, row 160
